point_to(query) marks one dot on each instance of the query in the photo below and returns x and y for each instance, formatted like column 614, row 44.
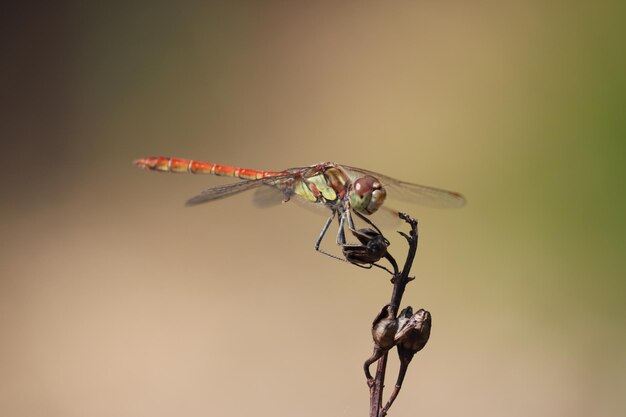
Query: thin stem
column 400, row 280
column 401, row 373
column 376, row 390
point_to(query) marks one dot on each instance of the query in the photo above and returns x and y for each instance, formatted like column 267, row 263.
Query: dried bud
column 372, row 249
column 404, row 317
column 384, row 328
column 413, row 334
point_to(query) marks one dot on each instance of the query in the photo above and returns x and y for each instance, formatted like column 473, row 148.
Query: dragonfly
column 343, row 189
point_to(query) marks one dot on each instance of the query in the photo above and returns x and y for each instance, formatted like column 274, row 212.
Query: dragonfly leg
column 321, row 237
column 341, row 238
column 324, row 230
column 341, row 234
column 368, row 221
column 350, row 221
column 366, row 238
column 353, row 228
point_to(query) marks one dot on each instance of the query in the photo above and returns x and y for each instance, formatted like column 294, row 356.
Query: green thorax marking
column 327, row 187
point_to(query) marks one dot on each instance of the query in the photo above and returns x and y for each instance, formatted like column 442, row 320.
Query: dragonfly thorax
column 367, row 194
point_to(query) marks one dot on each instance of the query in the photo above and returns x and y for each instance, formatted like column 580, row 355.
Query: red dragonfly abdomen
column 179, row 165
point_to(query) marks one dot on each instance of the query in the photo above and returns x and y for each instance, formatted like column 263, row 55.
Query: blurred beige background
column 115, row 300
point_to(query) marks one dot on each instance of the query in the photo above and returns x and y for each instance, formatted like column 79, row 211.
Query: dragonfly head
column 367, row 195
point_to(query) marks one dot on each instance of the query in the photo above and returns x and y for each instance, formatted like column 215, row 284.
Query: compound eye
column 369, row 195
column 364, row 186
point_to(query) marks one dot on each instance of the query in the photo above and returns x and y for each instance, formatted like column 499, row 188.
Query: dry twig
column 409, row 332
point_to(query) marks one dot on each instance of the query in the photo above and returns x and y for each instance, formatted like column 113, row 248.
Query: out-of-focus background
column 115, row 300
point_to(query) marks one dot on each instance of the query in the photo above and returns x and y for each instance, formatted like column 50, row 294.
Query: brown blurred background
column 115, row 300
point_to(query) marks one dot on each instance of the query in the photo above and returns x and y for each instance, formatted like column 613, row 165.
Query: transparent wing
column 274, row 195
column 265, row 197
column 219, row 192
column 421, row 194
column 386, row 217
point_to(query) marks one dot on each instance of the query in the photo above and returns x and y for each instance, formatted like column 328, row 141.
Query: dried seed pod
column 404, row 317
column 414, row 333
column 384, row 328
column 372, row 249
